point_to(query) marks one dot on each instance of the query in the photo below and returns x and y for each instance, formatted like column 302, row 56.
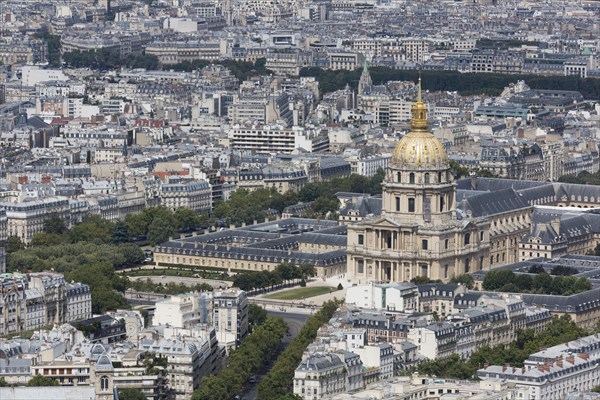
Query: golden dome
column 419, row 148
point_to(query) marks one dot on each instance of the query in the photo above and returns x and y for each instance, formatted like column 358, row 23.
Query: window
column 399, row 177
column 361, row 239
column 411, row 177
column 427, row 177
column 467, row 238
column 424, row 244
column 411, row 205
column 439, row 177
column 446, row 244
column 397, row 203
column 481, row 236
column 467, row 265
column 446, row 271
column 104, row 383
column 442, row 203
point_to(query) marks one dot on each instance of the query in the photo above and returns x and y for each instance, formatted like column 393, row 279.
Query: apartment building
column 230, row 316
column 184, row 310
column 186, row 358
column 340, row 60
column 264, row 139
column 26, row 219
column 79, row 301
column 178, row 51
column 555, row 372
column 320, row 376
column 34, row 300
column 179, row 192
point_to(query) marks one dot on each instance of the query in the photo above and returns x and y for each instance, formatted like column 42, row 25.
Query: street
column 295, row 322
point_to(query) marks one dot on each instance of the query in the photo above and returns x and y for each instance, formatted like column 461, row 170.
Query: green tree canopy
column 54, row 224
column 256, row 314
column 41, row 380
column 131, row 394
column 14, row 244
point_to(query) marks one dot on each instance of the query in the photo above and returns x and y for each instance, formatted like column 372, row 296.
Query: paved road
column 295, row 322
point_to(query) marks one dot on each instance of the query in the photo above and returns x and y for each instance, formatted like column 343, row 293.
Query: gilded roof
column 419, row 148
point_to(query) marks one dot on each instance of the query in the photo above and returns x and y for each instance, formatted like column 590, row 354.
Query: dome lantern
column 419, row 148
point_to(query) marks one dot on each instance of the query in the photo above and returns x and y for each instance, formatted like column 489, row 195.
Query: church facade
column 417, row 233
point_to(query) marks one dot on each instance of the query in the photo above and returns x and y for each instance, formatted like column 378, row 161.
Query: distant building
column 555, row 372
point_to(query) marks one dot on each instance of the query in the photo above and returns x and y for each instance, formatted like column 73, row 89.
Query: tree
column 279, row 382
column 14, row 244
column 55, row 224
column 159, row 231
column 536, row 269
column 340, row 287
column 563, row 270
column 186, row 219
column 92, row 229
column 47, row 239
column 256, row 314
column 290, row 396
column 542, row 282
column 131, row 394
column 41, row 380
column 464, row 279
column 119, row 234
column 137, row 225
column 497, row 278
column 308, row 271
column 597, row 250
column 423, row 280
column 245, row 361
column 3, row 382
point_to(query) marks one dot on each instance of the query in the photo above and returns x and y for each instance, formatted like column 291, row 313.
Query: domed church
column 417, row 233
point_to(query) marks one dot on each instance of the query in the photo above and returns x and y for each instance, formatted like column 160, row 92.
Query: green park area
column 301, row 293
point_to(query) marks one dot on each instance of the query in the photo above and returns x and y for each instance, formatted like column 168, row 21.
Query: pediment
column 384, row 222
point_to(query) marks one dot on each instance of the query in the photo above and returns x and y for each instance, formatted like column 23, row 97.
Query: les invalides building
column 418, row 232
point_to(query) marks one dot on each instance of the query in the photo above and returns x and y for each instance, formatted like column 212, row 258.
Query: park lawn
column 301, row 293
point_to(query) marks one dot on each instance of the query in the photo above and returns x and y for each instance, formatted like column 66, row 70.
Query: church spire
column 365, row 82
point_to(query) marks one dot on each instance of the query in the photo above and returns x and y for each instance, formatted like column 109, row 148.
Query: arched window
column 411, row 177
column 104, row 383
column 426, row 177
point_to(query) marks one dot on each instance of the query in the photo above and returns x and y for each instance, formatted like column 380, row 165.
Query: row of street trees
column 258, row 348
column 283, row 273
column 278, row 384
